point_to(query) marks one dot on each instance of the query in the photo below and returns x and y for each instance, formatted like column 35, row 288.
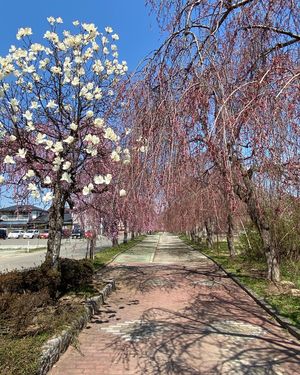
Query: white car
column 15, row 234
column 31, row 233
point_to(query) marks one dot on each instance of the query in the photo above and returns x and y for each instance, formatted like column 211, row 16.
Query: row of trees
column 219, row 103
column 208, row 128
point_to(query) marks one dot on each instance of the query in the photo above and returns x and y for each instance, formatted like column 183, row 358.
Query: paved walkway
column 175, row 312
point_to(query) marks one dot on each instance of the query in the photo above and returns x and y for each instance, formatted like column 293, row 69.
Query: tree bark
column 272, row 262
column 230, row 237
column 91, row 246
column 56, row 220
column 115, row 241
column 125, row 239
column 247, row 194
column 132, row 234
column 209, row 233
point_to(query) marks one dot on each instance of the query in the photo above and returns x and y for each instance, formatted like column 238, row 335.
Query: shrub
column 74, row 273
column 251, row 243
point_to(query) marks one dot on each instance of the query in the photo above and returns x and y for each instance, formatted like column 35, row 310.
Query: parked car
column 3, row 234
column 66, row 233
column 15, row 234
column 89, row 234
column 31, row 233
column 44, row 234
column 77, row 233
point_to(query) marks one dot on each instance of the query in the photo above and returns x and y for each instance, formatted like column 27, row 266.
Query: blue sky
column 138, row 31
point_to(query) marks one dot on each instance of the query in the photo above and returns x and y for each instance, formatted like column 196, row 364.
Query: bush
column 70, row 274
column 74, row 273
column 251, row 243
column 32, row 280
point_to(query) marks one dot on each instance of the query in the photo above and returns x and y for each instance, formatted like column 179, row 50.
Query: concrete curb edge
column 53, row 348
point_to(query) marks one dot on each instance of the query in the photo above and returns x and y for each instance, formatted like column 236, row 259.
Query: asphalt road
column 11, row 258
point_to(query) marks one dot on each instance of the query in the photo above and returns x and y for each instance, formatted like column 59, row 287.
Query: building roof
column 44, row 218
column 22, row 208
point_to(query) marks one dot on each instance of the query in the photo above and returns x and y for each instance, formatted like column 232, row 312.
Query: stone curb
column 53, row 348
column 259, row 300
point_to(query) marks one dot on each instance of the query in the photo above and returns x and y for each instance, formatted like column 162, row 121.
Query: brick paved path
column 174, row 312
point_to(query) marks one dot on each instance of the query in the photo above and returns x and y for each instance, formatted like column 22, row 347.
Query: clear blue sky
column 138, row 31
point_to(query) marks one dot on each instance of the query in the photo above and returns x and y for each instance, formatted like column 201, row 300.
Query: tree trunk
column 247, row 194
column 132, row 234
column 230, row 237
column 193, row 236
column 115, row 241
column 272, row 262
column 209, row 232
column 125, row 239
column 56, row 220
column 92, row 247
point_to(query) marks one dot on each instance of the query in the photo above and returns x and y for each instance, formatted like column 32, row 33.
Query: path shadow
column 219, row 332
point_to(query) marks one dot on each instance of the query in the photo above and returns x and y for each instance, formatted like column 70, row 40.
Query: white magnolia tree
column 58, row 101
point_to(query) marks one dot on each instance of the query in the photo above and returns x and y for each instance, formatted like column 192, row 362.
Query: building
column 29, row 216
column 19, row 216
column 43, row 220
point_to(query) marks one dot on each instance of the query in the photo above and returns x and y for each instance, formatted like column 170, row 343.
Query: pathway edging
column 259, row 300
column 53, row 348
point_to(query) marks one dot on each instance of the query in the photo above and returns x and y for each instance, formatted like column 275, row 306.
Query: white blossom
column 115, row 37
column 22, row 153
column 30, row 126
column 51, row 104
column 23, row 31
column 12, row 138
column 110, row 134
column 35, row 194
column 99, row 180
column 75, row 23
column 107, row 179
column 34, row 105
column 56, row 70
column 47, row 180
column 69, row 140
column 88, row 189
column 122, row 193
column 48, row 197
column 58, row 147
column 30, row 173
column 14, row 103
column 40, row 138
column 66, row 177
column 2, row 179
column 67, row 164
column 89, row 114
column 28, row 115
column 115, row 156
column 75, row 81
column 73, row 126
column 51, row 20
column 31, row 186
column 99, row 122
column 8, row 160
column 108, row 29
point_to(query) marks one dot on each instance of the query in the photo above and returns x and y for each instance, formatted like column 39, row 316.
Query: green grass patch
column 107, row 254
column 20, row 353
column 252, row 273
